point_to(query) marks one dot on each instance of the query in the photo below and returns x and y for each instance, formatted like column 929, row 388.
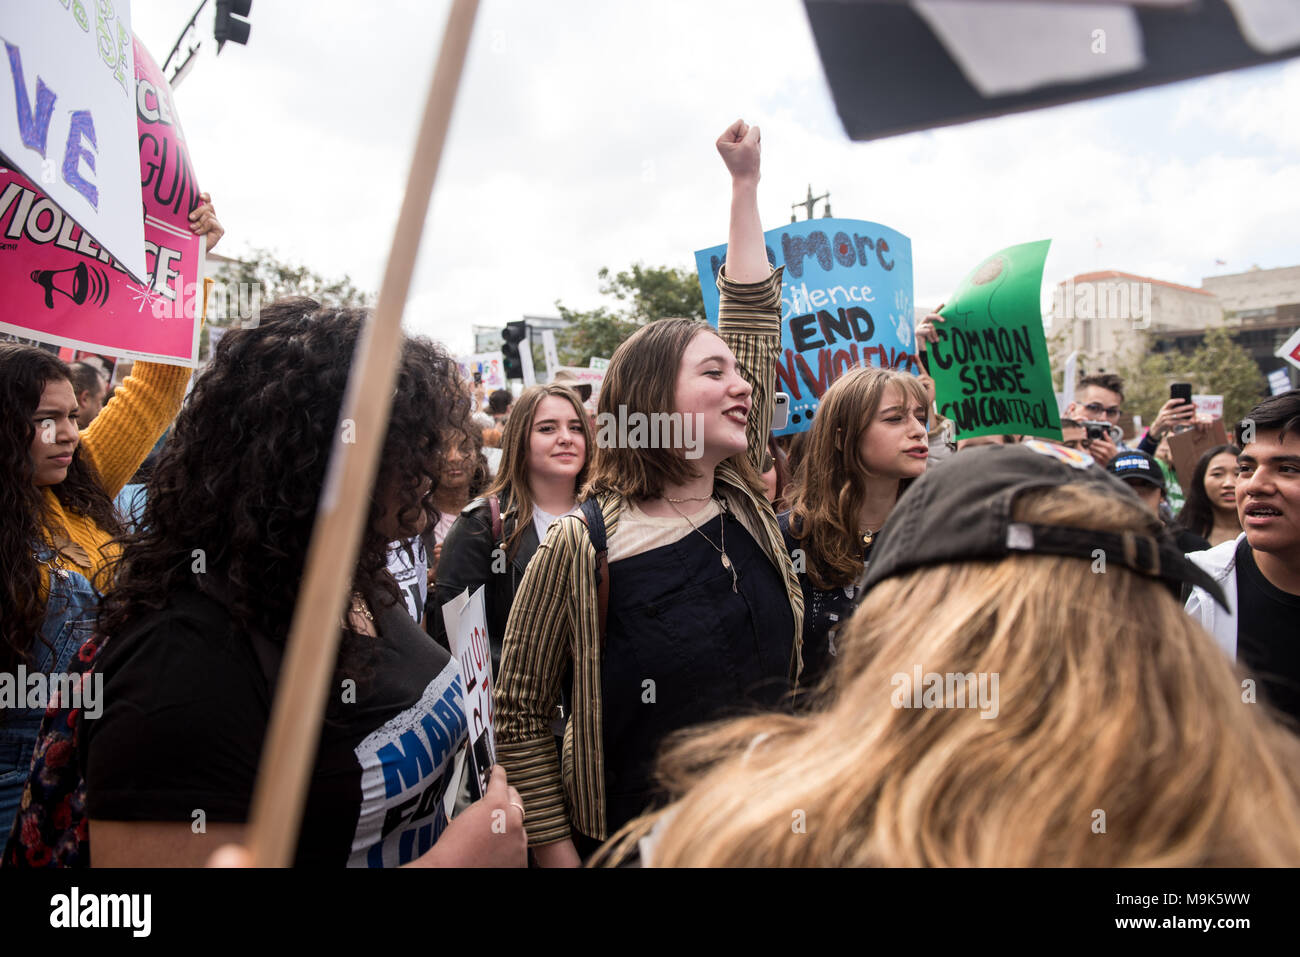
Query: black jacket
column 468, row 561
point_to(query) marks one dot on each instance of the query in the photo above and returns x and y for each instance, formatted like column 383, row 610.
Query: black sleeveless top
column 683, row 648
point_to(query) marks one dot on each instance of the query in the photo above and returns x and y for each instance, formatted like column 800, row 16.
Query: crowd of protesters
column 874, row 643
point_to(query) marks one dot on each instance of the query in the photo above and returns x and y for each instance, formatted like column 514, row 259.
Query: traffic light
column 513, row 334
column 232, row 22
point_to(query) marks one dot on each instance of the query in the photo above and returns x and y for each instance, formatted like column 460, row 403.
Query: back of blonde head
column 1120, row 739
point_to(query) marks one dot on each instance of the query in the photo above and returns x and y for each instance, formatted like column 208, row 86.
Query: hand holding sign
column 203, row 222
column 488, row 833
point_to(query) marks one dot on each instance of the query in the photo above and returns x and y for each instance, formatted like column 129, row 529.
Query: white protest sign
column 1209, row 406
column 552, row 354
column 466, row 619
column 526, row 363
column 1279, row 381
column 68, row 120
column 596, row 362
column 1290, row 350
column 488, row 365
column 1071, row 372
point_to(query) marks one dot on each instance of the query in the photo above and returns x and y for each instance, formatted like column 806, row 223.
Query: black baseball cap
column 961, row 510
column 1137, row 465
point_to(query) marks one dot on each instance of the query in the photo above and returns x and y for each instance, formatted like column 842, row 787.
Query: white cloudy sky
column 584, row 133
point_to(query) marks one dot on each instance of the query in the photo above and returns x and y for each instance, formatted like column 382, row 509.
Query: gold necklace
column 360, row 607
column 726, row 561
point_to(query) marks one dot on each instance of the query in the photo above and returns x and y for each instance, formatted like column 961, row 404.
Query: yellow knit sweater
column 115, row 444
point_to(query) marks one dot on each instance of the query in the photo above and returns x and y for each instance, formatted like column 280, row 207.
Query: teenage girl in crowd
column 195, row 630
column 543, row 467
column 867, row 442
column 1211, row 507
column 1115, row 737
column 702, row 612
column 57, row 490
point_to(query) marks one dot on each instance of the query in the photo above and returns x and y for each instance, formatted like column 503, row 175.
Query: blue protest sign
column 846, row 301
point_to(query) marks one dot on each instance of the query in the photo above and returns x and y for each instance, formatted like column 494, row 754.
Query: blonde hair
column 1120, row 739
column 829, row 486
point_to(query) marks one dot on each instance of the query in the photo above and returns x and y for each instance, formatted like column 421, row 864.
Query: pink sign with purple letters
column 59, row 286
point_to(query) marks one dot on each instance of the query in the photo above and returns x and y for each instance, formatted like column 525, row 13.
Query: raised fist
column 739, row 147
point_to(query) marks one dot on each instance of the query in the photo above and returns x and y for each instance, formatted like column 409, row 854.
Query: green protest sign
column 991, row 371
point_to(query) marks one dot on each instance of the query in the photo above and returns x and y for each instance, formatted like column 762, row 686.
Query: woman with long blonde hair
column 867, row 442
column 1099, row 725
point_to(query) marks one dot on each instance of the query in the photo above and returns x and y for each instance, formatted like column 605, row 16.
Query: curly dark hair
column 24, row 373
column 242, row 471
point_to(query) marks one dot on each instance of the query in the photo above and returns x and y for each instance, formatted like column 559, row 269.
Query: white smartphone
column 780, row 411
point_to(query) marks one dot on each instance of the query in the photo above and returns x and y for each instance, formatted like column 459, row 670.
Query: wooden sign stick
column 309, row 660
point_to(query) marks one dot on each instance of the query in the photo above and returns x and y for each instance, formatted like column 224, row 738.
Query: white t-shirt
column 408, row 562
column 542, row 521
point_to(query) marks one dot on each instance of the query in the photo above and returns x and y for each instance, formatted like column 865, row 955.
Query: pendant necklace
column 726, row 561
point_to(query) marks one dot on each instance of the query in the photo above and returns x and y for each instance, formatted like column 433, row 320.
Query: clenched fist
column 739, row 147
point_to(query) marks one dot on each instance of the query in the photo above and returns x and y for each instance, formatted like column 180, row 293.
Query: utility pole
column 809, row 203
column 184, row 68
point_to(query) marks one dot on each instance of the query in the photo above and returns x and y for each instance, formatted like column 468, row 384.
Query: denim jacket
column 70, row 615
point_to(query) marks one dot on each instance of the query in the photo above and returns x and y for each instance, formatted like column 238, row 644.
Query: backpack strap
column 494, row 505
column 591, row 516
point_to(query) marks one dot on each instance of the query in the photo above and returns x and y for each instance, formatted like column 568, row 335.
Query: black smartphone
column 1181, row 391
column 478, row 376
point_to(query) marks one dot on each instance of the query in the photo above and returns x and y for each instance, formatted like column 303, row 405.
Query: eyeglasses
column 1096, row 409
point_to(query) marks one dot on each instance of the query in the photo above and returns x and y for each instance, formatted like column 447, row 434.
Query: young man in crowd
column 499, row 403
column 1073, row 435
column 1143, row 475
column 1260, row 570
column 1099, row 398
column 89, row 385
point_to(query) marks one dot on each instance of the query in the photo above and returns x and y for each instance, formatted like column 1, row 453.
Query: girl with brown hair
column 670, row 600
column 867, row 442
column 546, row 448
column 1116, row 735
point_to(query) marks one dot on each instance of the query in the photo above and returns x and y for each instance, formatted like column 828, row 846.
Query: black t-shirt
column 1268, row 638
column 186, row 706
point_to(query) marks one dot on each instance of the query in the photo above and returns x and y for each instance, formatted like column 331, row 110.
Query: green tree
column 1217, row 366
column 644, row 293
column 261, row 278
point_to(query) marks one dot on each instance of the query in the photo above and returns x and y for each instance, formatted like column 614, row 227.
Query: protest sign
column 991, row 370
column 66, row 122
column 596, row 362
column 592, row 377
column 488, row 365
column 552, row 354
column 1279, row 381
column 846, row 301
column 466, row 619
column 1186, row 449
column 61, row 287
column 1290, row 350
column 1208, row 406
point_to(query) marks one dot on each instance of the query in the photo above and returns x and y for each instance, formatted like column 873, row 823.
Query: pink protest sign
column 57, row 285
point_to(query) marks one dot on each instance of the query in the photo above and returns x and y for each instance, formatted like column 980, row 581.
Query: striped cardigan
column 555, row 618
